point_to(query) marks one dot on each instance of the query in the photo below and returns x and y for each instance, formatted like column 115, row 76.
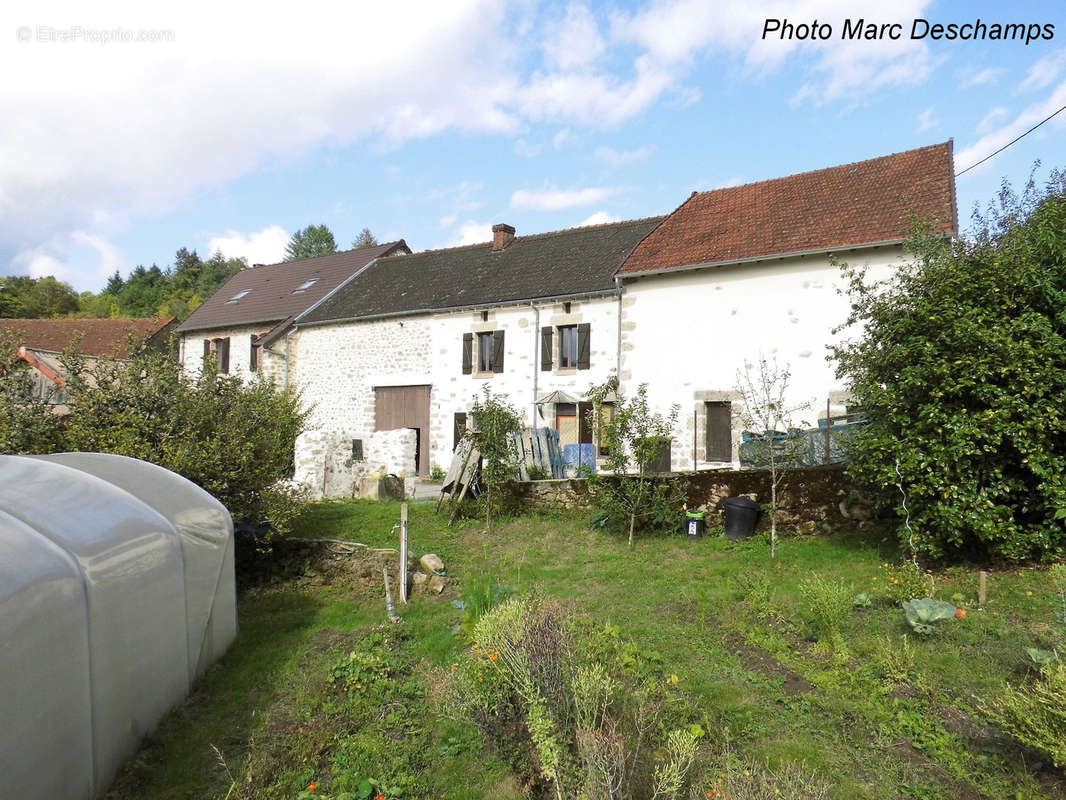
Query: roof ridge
column 946, row 143
column 384, row 245
column 539, row 235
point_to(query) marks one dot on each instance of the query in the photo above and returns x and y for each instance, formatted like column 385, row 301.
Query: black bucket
column 741, row 517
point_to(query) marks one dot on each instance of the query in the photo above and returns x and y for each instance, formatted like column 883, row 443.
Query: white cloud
column 927, row 120
column 991, row 118
column 560, row 138
column 981, row 78
column 729, row 183
column 39, row 263
column 111, row 257
column 460, row 199
column 599, row 218
column 995, row 139
column 1043, row 72
column 526, row 150
column 573, row 41
column 471, row 232
column 617, row 158
column 553, row 199
column 258, row 247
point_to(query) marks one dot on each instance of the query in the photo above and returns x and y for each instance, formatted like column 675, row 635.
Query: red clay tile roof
column 270, row 290
column 99, row 337
column 855, row 204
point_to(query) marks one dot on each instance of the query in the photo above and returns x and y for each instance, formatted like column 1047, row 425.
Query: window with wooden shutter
column 584, row 333
column 497, row 351
column 546, row 349
column 223, row 355
column 484, row 352
column 207, row 347
column 567, row 346
column 468, row 353
column 719, row 442
column 253, row 355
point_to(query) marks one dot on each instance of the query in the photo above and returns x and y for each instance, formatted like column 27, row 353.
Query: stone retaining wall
column 809, row 498
column 324, row 463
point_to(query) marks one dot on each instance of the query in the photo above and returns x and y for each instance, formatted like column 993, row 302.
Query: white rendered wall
column 192, row 348
column 687, row 334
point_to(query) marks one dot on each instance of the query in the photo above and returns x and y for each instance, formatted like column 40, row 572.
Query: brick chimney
column 502, row 235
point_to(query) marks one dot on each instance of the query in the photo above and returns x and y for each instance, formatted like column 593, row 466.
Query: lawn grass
column 874, row 718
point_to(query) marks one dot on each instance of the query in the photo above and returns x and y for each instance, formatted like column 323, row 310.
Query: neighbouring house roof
column 865, row 203
column 276, row 292
column 567, row 263
column 106, row 338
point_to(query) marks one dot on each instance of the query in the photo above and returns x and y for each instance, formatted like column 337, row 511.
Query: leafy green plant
column 828, row 603
column 863, row 600
column 633, row 438
column 958, row 371
column 494, row 423
column 1041, row 658
column 438, row 473
column 1035, row 715
column 923, row 614
column 902, row 582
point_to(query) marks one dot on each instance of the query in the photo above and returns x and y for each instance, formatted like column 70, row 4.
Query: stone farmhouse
column 679, row 303
column 240, row 323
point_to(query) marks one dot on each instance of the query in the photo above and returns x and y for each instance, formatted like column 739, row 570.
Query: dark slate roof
column 868, row 202
column 107, row 338
column 564, row 263
column 270, row 288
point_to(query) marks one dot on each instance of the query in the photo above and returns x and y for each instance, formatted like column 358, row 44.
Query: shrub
column 587, row 710
column 1036, row 715
column 494, row 423
column 234, row 440
column 828, row 603
column 902, row 582
column 751, row 780
column 629, row 496
column 27, row 423
column 961, row 374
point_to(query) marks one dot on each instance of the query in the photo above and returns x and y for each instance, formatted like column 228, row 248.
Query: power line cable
column 1012, row 141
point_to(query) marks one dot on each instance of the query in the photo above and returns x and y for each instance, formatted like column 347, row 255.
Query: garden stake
column 390, row 609
column 982, row 586
column 403, row 553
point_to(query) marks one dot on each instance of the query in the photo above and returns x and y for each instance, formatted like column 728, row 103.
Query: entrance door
column 405, row 407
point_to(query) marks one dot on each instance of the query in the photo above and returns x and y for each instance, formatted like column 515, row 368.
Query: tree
column 632, row 439
column 495, row 426
column 33, row 298
column 27, row 424
column 314, row 240
column 765, row 385
column 364, row 239
column 961, row 372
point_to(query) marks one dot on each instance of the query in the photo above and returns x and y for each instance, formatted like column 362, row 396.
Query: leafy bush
column 438, row 473
column 828, row 602
column 902, row 582
column 588, row 711
column 494, row 422
column 27, row 424
column 1036, row 715
column 961, row 373
column 627, row 493
column 233, row 439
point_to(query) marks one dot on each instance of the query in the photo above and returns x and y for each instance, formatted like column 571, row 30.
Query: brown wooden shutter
column 497, row 351
column 253, row 355
column 546, row 349
column 719, row 432
column 584, row 333
column 468, row 353
column 223, row 359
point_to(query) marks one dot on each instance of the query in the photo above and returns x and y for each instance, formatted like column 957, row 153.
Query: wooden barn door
column 405, row 407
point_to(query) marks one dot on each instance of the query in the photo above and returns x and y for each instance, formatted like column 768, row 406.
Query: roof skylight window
column 239, row 295
column 303, row 287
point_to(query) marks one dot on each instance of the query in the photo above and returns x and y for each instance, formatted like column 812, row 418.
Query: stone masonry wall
column 324, row 463
column 809, row 498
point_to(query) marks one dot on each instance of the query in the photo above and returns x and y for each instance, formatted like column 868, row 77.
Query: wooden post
column 403, row 552
column 982, row 587
column 694, row 420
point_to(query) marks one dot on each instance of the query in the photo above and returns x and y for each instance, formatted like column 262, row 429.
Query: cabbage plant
column 923, row 613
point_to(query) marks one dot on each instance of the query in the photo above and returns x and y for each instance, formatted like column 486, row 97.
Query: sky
column 130, row 129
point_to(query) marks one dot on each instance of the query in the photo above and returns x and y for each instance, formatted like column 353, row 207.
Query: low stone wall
column 809, row 498
column 324, row 463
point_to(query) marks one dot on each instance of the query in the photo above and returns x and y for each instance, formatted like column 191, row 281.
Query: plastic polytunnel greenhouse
column 116, row 593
